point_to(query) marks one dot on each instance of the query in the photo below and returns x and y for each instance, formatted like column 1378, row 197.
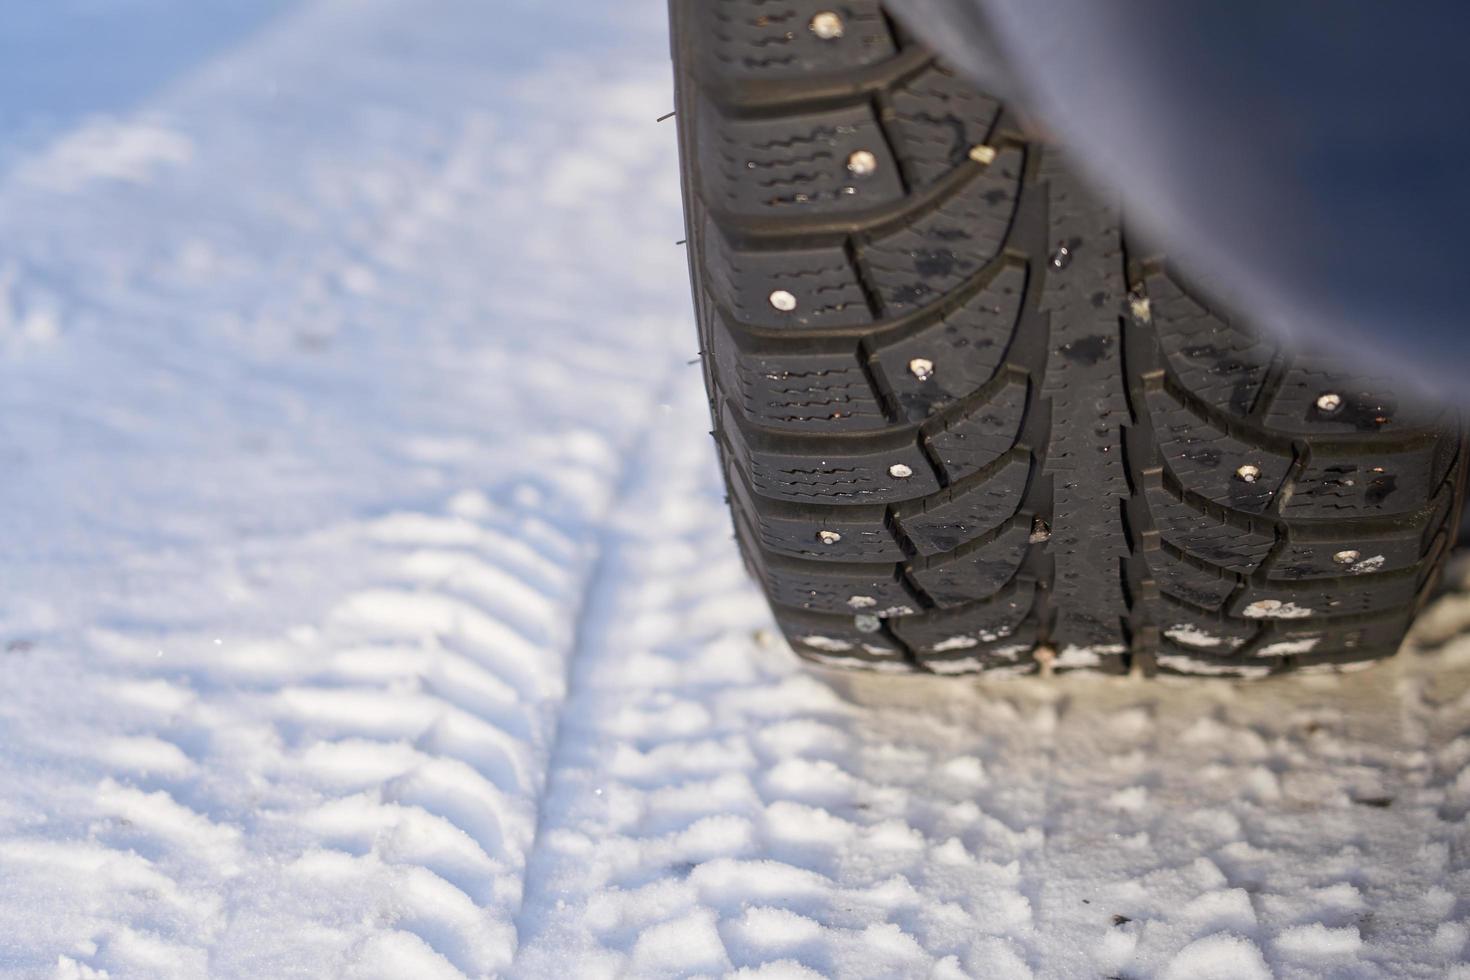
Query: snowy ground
column 368, row 605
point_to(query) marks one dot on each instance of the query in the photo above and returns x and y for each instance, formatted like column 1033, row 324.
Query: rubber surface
column 968, row 424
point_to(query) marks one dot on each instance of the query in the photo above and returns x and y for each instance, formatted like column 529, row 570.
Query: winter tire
column 968, row 423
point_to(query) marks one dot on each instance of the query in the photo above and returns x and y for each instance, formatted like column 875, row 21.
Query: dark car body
column 1307, row 160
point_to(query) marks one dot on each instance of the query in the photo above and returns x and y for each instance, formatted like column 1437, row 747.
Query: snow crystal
column 1192, row 636
column 1275, row 609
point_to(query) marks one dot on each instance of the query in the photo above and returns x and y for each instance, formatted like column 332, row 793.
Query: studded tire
column 969, row 423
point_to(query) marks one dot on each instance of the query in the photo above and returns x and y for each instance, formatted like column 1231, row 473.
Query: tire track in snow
column 598, row 593
column 285, row 679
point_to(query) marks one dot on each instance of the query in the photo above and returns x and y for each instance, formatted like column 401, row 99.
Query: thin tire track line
column 594, row 596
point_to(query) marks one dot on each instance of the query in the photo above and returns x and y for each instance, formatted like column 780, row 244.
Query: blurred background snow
column 368, row 605
column 64, row 60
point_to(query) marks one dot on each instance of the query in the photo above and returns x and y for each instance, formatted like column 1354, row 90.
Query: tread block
column 968, row 443
column 797, row 531
column 1326, row 639
column 867, row 472
column 1349, row 554
column 866, row 590
column 958, row 515
column 1202, row 534
column 756, row 39
column 1320, row 598
column 1210, row 355
column 984, row 630
column 816, row 392
column 788, row 165
column 956, row 580
column 835, row 641
column 874, row 590
column 927, row 259
column 1203, row 632
column 1356, row 403
column 952, row 357
column 1014, row 655
column 1208, row 460
column 821, row 280
column 1380, row 484
column 935, row 120
column 1176, row 577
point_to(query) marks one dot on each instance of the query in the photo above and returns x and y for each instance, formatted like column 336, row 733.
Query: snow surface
column 368, row 605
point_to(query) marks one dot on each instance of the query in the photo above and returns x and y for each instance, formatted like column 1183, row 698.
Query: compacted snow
column 368, row 605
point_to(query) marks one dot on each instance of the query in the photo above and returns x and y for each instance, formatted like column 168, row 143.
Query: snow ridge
column 288, row 621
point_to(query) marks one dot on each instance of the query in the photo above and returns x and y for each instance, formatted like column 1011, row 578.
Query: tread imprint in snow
column 961, row 422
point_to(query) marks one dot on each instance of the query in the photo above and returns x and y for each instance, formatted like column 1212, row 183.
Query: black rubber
column 991, row 431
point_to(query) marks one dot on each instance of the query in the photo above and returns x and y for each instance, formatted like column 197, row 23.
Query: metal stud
column 1139, row 306
column 1346, row 557
column 861, row 163
column 900, row 471
column 827, row 25
column 921, row 368
column 828, row 537
column 783, row 301
column 1329, row 402
column 1248, row 473
column 982, row 154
